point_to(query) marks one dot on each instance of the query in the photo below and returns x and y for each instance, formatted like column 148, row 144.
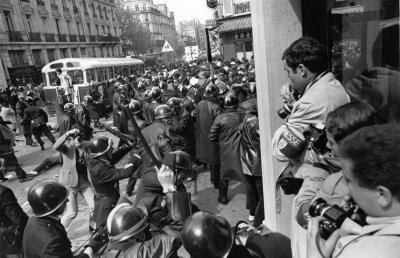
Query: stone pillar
column 276, row 24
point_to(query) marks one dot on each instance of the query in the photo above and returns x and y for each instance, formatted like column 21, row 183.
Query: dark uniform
column 66, row 123
column 152, row 109
column 105, row 181
column 12, row 217
column 46, row 237
column 59, row 105
column 37, row 118
column 20, row 108
column 83, row 122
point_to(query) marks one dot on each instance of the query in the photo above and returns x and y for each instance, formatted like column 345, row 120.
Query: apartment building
column 158, row 19
column 36, row 32
column 193, row 33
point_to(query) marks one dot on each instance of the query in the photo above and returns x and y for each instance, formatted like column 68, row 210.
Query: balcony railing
column 109, row 38
column 34, row 37
column 54, row 7
column 62, row 37
column 92, row 38
column 15, row 36
column 40, row 2
column 72, row 38
column 26, row 1
column 241, row 8
column 50, row 37
column 82, row 38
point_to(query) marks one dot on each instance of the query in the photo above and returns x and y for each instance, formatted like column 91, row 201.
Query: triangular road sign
column 167, row 47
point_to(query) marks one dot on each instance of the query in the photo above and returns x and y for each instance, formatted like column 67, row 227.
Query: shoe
column 251, row 218
column 33, row 173
column 25, row 179
column 222, row 200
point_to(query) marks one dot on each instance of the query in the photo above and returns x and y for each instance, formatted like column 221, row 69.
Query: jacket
column 206, row 111
column 250, row 153
column 46, row 237
column 11, row 214
column 35, row 116
column 225, row 131
column 68, row 174
column 159, row 246
column 65, row 124
column 83, row 121
column 381, row 240
column 318, row 99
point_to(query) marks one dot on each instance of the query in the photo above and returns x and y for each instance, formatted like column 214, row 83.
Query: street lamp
column 212, row 3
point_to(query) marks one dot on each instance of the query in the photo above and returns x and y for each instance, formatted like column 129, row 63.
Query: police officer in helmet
column 44, row 235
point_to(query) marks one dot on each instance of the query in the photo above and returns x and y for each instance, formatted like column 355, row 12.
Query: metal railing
column 72, row 38
column 62, row 38
column 108, row 38
column 50, row 37
column 35, row 37
column 15, row 36
column 92, row 38
column 82, row 38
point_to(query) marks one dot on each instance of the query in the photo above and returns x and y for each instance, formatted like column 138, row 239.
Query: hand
column 326, row 246
column 286, row 92
column 72, row 132
column 89, row 252
column 166, row 178
column 128, row 165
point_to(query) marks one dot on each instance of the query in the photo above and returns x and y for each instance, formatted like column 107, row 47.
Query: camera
column 335, row 216
column 284, row 111
column 316, row 135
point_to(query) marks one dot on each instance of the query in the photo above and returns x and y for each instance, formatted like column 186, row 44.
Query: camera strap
column 314, row 80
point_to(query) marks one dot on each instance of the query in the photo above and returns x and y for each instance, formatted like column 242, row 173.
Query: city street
column 205, row 197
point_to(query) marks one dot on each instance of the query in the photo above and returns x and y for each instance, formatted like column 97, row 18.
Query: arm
column 120, row 153
column 112, row 174
column 12, row 209
column 60, row 145
column 214, row 131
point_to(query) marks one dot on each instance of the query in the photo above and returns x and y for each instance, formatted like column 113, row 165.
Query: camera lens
column 317, row 207
column 284, row 111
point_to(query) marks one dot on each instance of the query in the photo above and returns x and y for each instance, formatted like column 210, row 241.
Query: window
column 18, row 57
column 83, row 52
column 64, row 52
column 89, row 31
column 57, row 25
column 51, row 54
column 90, row 75
column 137, row 7
column 74, row 52
column 7, row 16
column 76, row 76
column 29, row 23
column 115, row 30
column 38, row 57
column 104, row 30
column 78, row 27
column 97, row 29
column 69, row 27
column 94, row 51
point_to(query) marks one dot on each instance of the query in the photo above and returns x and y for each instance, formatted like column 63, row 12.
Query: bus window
column 53, row 79
column 90, row 75
column 117, row 71
column 77, row 76
column 125, row 71
column 44, row 79
column 110, row 72
column 56, row 65
column 104, row 71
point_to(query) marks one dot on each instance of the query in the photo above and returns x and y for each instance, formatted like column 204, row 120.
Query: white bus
column 84, row 70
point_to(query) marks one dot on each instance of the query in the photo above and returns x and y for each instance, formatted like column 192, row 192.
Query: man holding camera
column 311, row 94
column 370, row 164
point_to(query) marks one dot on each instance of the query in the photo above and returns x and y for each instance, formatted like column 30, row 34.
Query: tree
column 134, row 36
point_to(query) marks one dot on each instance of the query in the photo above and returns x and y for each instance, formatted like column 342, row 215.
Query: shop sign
column 211, row 23
column 242, row 35
column 21, row 70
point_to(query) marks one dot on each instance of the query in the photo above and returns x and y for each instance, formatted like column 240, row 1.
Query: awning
column 243, row 23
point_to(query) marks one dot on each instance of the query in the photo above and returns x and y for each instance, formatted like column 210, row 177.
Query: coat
column 66, row 123
column 46, row 237
column 68, row 174
column 225, row 131
column 61, row 100
column 206, row 151
column 83, row 122
column 11, row 214
column 35, row 116
column 250, row 153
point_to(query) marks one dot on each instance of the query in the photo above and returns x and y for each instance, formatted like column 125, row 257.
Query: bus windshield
column 76, row 76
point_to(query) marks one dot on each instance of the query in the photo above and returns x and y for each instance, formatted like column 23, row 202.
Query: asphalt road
column 205, row 197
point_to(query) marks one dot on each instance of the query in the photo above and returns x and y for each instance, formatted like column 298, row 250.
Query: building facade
column 235, row 28
column 36, row 32
column 193, row 33
column 158, row 19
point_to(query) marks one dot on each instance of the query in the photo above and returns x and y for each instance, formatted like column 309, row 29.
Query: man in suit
column 83, row 118
column 44, row 235
column 67, row 120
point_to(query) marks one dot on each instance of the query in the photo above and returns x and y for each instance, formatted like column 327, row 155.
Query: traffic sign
column 191, row 53
column 167, row 47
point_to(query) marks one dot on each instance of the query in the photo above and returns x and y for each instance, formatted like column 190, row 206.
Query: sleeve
column 44, row 115
column 214, row 131
column 112, row 174
column 120, row 153
column 12, row 209
column 81, row 116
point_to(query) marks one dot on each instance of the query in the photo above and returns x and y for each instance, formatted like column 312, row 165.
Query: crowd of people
column 175, row 121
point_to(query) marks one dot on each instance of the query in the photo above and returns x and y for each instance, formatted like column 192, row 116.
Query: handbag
column 10, row 239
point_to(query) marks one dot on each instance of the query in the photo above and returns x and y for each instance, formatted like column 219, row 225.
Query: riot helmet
column 181, row 163
column 46, row 196
column 156, row 93
column 211, row 91
column 100, row 145
column 163, row 111
column 207, row 235
column 30, row 93
column 231, row 101
column 174, row 102
column 69, row 107
column 135, row 107
column 88, row 99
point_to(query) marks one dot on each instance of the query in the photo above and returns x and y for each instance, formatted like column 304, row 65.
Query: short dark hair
column 348, row 118
column 374, row 153
column 309, row 52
